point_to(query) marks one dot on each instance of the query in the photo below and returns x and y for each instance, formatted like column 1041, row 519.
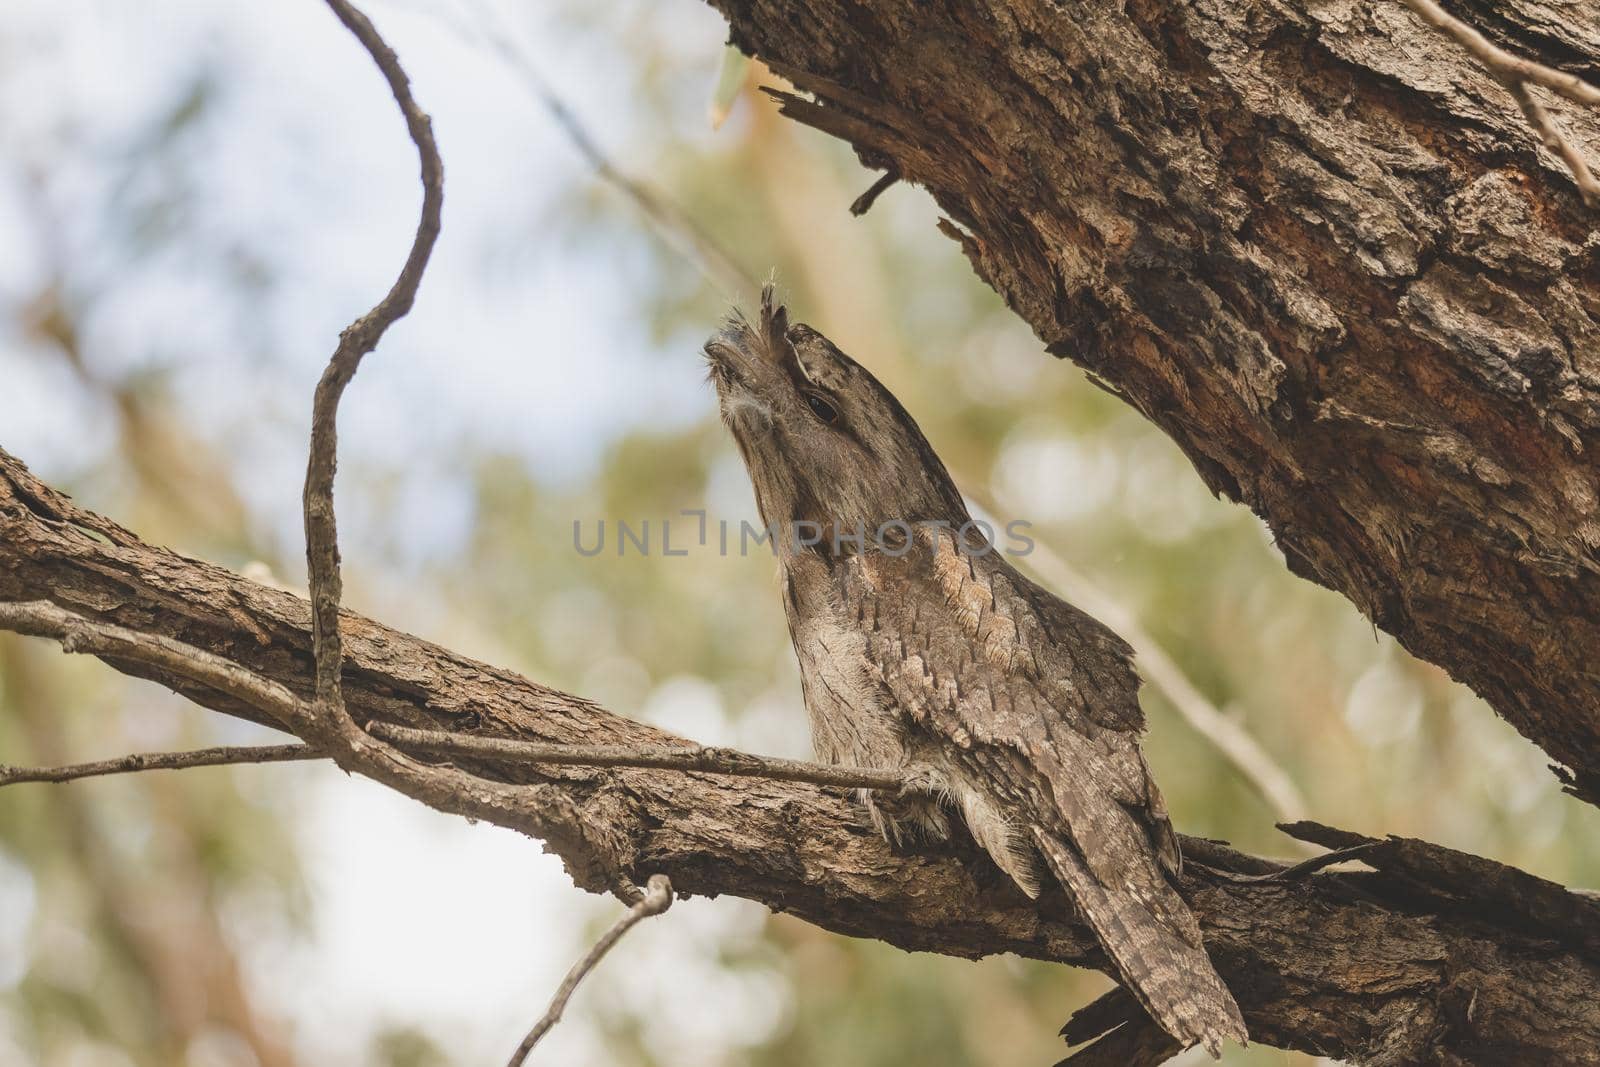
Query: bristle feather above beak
column 774, row 323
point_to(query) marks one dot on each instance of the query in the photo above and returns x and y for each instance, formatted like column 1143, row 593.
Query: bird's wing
column 994, row 660
column 1037, row 707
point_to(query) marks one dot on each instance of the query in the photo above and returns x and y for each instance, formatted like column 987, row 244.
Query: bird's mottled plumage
column 1018, row 712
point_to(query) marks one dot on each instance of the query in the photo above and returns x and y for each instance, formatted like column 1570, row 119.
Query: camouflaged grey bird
column 920, row 649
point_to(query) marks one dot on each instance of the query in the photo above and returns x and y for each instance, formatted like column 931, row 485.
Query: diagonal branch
column 677, row 228
column 1374, row 965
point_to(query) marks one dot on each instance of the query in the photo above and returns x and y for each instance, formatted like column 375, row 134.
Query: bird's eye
column 822, row 409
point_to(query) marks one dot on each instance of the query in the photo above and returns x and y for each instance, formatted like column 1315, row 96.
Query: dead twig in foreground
column 656, row 899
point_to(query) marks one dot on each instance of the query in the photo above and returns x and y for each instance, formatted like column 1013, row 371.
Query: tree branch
column 698, row 758
column 656, row 899
column 40, row 618
column 159, row 761
column 1373, row 965
column 78, row 634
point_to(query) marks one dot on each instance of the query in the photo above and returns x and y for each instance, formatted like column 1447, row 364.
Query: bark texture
column 1433, row 957
column 1313, row 242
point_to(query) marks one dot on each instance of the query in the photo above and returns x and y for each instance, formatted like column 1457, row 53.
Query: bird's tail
column 1154, row 942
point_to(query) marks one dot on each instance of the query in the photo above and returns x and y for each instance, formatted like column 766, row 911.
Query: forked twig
column 1517, row 74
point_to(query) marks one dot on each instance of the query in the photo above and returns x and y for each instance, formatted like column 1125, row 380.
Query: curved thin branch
column 657, row 898
column 331, row 726
column 359, row 338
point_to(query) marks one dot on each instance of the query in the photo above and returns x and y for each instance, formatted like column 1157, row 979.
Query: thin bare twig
column 1517, row 74
column 696, row 758
column 1501, row 63
column 657, row 898
column 332, row 725
column 160, row 761
column 863, row 203
column 1542, row 122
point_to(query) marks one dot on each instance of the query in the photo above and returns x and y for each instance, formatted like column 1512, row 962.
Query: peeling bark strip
column 1433, row 957
column 1319, row 246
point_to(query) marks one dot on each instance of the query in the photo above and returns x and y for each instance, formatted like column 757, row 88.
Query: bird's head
column 824, row 442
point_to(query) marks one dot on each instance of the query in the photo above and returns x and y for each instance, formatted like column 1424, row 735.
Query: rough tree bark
column 1316, row 244
column 1434, row 957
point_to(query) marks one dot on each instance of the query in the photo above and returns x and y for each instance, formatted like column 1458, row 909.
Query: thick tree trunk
column 1435, row 957
column 1319, row 247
